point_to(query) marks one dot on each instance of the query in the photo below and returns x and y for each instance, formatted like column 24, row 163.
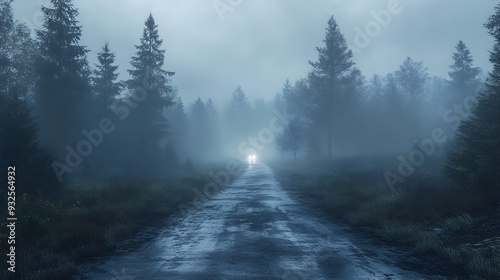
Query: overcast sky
column 258, row 44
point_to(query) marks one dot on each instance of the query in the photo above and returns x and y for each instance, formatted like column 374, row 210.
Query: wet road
column 253, row 229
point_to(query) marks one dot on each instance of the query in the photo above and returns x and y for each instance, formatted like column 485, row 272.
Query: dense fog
column 91, row 124
column 74, row 117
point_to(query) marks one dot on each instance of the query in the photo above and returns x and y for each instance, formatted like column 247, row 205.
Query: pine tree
column 332, row 79
column 474, row 159
column 292, row 98
column 211, row 111
column 239, row 102
column 238, row 112
column 149, row 84
column 464, row 77
column 392, row 94
column 201, row 125
column 23, row 56
column 148, row 72
column 376, row 88
column 17, row 51
column 105, row 89
column 213, row 131
column 6, row 27
column 20, row 147
column 18, row 131
column 104, row 80
column 6, row 23
column 287, row 90
column 412, row 77
column 177, row 136
column 290, row 139
column 198, row 110
column 63, row 76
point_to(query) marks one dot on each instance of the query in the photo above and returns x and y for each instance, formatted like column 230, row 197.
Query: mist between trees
column 64, row 119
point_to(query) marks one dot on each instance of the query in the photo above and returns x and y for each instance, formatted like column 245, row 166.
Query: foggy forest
column 144, row 154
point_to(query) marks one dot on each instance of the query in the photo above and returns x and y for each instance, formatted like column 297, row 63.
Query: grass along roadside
column 427, row 215
column 56, row 233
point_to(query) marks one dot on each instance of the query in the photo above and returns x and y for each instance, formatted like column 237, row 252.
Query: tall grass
column 427, row 212
column 56, row 233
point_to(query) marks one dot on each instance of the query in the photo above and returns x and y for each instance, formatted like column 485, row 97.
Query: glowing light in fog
column 252, row 159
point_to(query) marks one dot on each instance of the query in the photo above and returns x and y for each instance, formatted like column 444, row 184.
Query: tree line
column 62, row 117
column 340, row 113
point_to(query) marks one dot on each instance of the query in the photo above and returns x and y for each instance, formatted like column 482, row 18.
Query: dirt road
column 254, row 229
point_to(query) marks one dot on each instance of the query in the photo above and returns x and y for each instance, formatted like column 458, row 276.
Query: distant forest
column 63, row 119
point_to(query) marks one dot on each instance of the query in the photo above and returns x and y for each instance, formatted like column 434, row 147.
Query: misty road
column 254, row 229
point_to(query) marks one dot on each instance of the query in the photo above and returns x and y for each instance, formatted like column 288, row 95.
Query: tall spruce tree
column 238, row 114
column 20, row 147
column 463, row 76
column 474, row 159
column 239, row 104
column 6, row 28
column 149, row 85
column 331, row 79
column 106, row 156
column 18, row 130
column 200, row 129
column 7, row 19
column 23, row 57
column 17, row 51
column 63, row 76
column 104, row 80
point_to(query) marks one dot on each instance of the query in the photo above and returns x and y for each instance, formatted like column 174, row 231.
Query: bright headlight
column 252, row 158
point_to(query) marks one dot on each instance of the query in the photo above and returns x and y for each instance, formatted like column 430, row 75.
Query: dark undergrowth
column 56, row 232
column 426, row 213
